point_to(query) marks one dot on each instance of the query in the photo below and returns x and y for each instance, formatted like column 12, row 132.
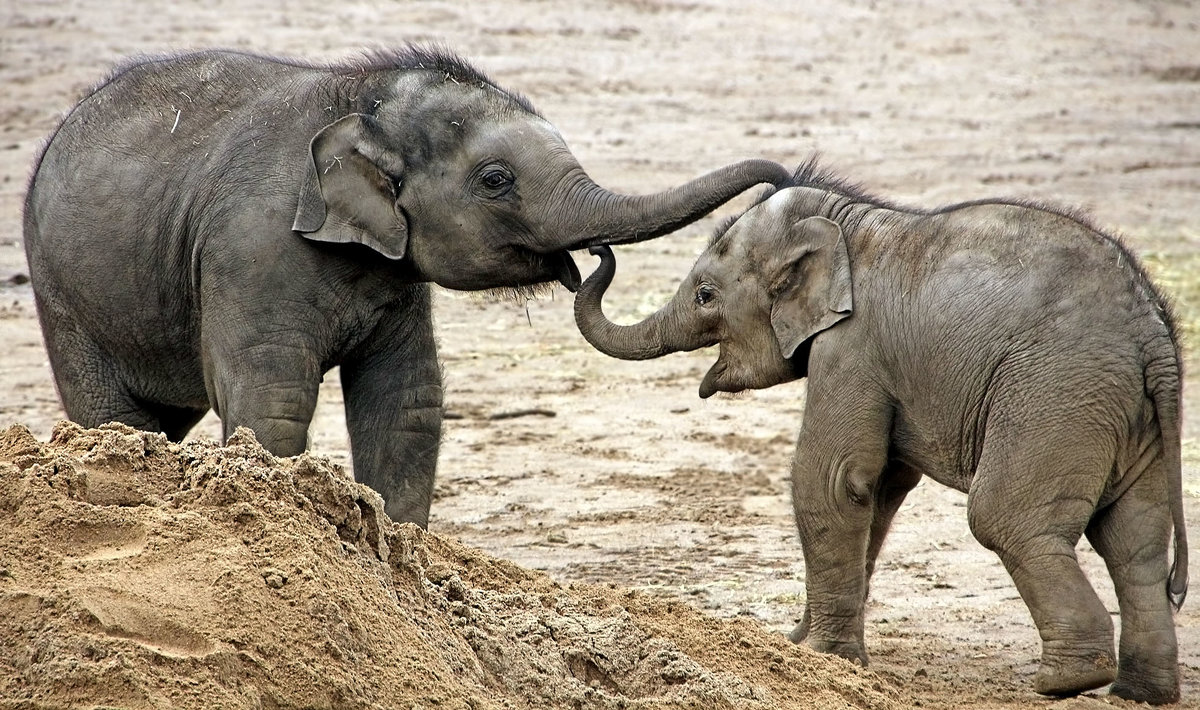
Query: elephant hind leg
column 1131, row 535
column 91, row 387
column 1030, row 501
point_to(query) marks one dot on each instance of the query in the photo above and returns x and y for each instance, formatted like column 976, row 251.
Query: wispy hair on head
column 432, row 57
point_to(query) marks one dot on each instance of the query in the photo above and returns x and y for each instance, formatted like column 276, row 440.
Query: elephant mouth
column 540, row 267
column 565, row 270
column 710, row 385
column 614, row 241
column 557, row 264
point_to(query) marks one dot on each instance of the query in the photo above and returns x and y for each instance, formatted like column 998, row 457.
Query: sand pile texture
column 137, row 573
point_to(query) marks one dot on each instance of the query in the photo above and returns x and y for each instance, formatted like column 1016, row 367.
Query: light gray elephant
column 219, row 229
column 1008, row 351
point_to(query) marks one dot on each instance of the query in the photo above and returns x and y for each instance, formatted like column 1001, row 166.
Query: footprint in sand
column 126, row 616
column 97, row 541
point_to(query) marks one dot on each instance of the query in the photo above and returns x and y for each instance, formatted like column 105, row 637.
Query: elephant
column 1006, row 350
column 218, row 229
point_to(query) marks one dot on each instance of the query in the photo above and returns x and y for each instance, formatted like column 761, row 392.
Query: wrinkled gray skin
column 1006, row 351
column 217, row 230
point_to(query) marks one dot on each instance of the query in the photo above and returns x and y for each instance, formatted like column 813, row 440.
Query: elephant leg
column 393, row 396
column 839, row 459
column 89, row 384
column 265, row 378
column 893, row 489
column 278, row 409
column 1032, row 496
column 1132, row 536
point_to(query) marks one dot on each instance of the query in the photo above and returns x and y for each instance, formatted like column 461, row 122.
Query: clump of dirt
column 139, row 573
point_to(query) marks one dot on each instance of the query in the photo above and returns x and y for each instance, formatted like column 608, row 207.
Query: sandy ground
column 636, row 481
column 144, row 575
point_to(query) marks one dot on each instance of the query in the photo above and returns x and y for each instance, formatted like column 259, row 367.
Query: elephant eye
column 496, row 180
column 705, row 294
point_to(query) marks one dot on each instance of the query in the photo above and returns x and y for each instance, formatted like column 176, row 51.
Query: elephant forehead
column 774, row 207
column 511, row 133
column 722, row 269
column 746, row 242
column 431, row 101
column 763, row 218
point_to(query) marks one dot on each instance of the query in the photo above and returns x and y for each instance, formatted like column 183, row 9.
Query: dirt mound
column 144, row 574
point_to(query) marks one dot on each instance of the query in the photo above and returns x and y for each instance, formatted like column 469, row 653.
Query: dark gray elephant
column 217, row 230
column 1004, row 350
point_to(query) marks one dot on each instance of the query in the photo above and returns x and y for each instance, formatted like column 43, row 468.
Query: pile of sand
column 143, row 574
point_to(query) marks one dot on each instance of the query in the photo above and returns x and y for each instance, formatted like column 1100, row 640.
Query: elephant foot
column 1143, row 679
column 1071, row 675
column 800, row 633
column 1140, row 693
column 852, row 651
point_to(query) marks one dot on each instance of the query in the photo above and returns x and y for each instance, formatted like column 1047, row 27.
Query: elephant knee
column 982, row 530
column 421, row 409
column 987, row 521
column 846, row 490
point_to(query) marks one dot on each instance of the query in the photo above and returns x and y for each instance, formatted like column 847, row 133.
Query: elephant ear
column 350, row 189
column 809, row 277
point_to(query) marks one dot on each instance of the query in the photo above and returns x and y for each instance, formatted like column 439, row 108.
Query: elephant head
column 761, row 290
column 472, row 188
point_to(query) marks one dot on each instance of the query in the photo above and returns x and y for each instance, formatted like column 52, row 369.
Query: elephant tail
column 1165, row 391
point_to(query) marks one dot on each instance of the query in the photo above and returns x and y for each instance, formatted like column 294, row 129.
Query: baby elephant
column 1006, row 350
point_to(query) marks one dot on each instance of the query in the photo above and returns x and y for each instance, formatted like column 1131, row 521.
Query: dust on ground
column 635, row 481
column 144, row 574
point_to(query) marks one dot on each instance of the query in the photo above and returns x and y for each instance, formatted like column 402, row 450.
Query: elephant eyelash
column 494, row 181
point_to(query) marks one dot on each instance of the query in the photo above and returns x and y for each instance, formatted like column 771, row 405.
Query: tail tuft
column 1177, row 581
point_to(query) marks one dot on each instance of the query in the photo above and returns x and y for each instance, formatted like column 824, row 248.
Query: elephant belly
column 174, row 380
column 934, row 449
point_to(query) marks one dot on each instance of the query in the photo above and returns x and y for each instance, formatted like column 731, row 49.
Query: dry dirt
column 144, row 574
column 634, row 481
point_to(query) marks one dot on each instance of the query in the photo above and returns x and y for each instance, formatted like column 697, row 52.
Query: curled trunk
column 657, row 335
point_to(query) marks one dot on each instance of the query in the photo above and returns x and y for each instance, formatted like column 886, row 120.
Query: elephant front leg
column 393, row 401
column 835, row 550
column 833, row 495
column 894, row 486
column 270, row 388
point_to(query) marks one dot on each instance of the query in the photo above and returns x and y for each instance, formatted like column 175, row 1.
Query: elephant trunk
column 657, row 335
column 592, row 216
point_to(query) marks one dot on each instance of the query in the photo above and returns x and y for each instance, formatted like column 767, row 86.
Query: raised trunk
column 656, row 336
column 593, row 216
